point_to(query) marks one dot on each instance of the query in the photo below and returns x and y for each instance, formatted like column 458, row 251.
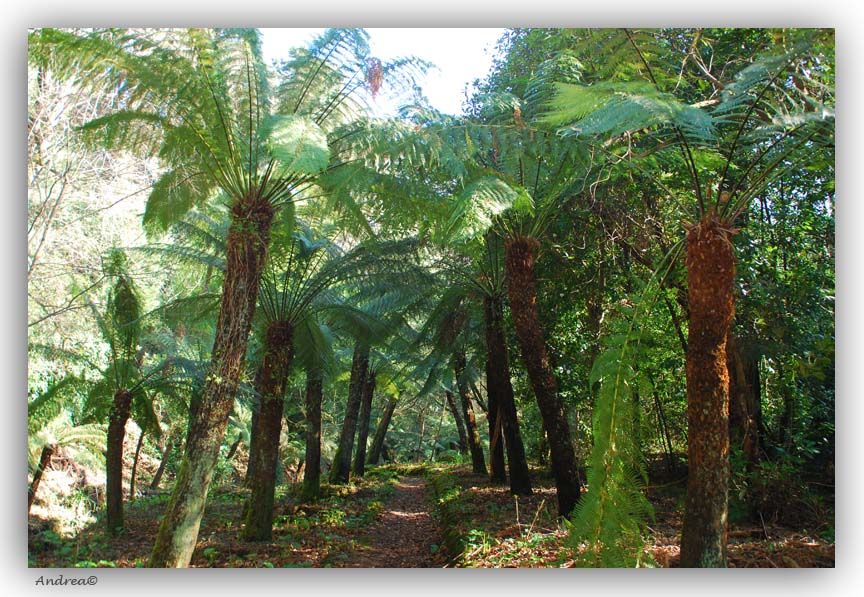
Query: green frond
column 298, row 144
column 175, row 193
column 611, row 109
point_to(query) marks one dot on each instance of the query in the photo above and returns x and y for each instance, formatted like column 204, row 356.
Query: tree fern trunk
column 498, row 383
column 114, row 460
column 478, row 463
column 312, row 473
column 278, row 354
column 246, row 252
column 457, row 419
column 522, row 291
column 710, row 277
column 359, row 467
column 341, row 469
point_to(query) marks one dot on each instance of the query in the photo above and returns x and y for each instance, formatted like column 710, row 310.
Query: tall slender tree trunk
column 710, row 277
column 478, row 462
column 744, row 402
column 341, row 469
column 522, row 291
column 161, row 470
column 460, row 427
column 497, row 471
column 278, row 354
column 312, row 472
column 246, row 253
column 44, row 460
column 498, row 384
column 135, row 466
column 359, row 468
column 120, row 411
column 381, row 431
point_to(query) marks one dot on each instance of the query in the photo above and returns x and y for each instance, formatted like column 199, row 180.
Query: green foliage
column 610, row 518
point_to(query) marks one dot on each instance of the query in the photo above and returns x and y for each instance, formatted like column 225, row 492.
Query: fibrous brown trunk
column 246, row 253
column 710, row 277
column 44, row 459
column 522, row 291
column 478, row 462
column 359, row 467
column 120, row 411
column 276, row 367
column 381, row 432
column 312, row 472
column 457, row 419
column 341, row 469
column 498, row 384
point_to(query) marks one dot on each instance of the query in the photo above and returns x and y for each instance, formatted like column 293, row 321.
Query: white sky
column 460, row 55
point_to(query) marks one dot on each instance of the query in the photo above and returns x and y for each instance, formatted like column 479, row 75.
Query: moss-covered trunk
column 381, row 432
column 276, row 367
column 341, row 469
column 246, row 253
column 312, row 472
column 478, row 462
column 521, row 288
column 254, row 432
column 359, row 467
column 120, row 410
column 457, row 419
column 499, row 385
column 710, row 278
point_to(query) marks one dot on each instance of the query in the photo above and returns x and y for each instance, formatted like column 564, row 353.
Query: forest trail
column 404, row 535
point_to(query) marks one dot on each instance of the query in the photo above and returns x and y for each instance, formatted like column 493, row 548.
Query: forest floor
column 410, row 517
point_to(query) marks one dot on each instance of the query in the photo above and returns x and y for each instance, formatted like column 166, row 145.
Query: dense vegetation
column 586, row 322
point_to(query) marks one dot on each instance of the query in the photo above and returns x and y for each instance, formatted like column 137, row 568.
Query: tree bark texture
column 341, row 469
column 120, row 411
column 246, row 253
column 44, row 460
column 457, row 418
column 478, row 462
column 276, row 367
column 499, row 384
column 521, row 288
column 312, row 472
column 710, row 277
column 381, row 431
column 359, row 467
